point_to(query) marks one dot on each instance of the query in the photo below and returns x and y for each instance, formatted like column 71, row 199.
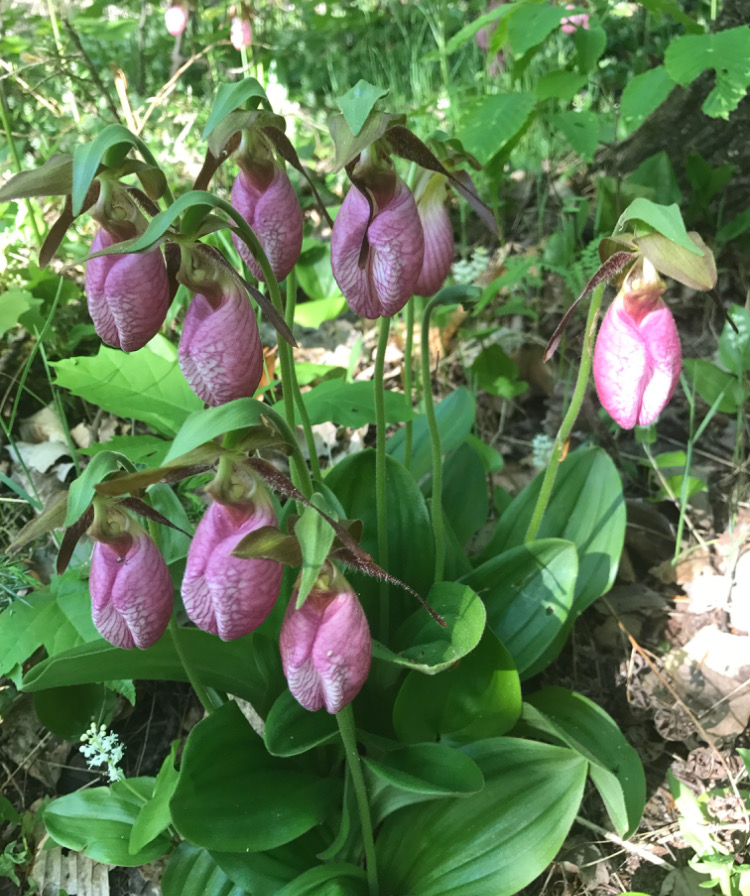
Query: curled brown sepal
column 616, row 262
column 130, row 483
column 143, row 509
column 73, row 534
column 211, row 165
column 53, row 178
column 52, row 517
column 408, row 146
column 351, row 553
column 58, row 230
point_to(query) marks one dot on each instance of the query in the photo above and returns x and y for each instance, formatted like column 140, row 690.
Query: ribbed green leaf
column 257, row 802
column 492, row 843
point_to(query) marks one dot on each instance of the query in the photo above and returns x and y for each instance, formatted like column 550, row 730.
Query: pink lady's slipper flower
column 127, row 295
column 220, row 352
column 325, row 646
column 571, row 24
column 131, row 589
column 637, row 355
column 225, row 595
column 430, row 193
column 240, row 33
column 264, row 196
column 483, row 38
column 175, row 18
column 376, row 260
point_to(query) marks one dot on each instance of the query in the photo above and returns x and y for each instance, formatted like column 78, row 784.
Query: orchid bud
column 225, row 595
column 325, row 646
column 377, row 262
column 240, row 33
column 131, row 589
column 264, row 196
column 430, row 195
column 220, row 352
column 175, row 18
column 127, row 294
column 637, row 356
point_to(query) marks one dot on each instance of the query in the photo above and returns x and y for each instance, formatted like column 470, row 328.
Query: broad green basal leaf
column 492, row 843
column 98, row 823
column 257, row 802
column 616, row 768
column 340, row 879
column 416, row 774
column 586, row 507
column 411, row 551
column 193, row 872
column 154, row 817
column 429, row 769
column 734, row 347
column 429, row 647
column 225, row 665
column 528, row 592
column 478, row 697
column 350, row 404
column 290, row 729
column 455, row 416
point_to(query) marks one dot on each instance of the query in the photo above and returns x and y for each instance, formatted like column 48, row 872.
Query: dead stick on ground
column 691, row 715
column 625, row 844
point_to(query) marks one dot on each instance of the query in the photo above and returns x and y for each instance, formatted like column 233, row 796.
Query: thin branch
column 92, row 69
column 626, row 844
column 167, row 88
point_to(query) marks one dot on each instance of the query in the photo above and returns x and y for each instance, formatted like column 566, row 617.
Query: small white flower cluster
column 468, row 270
column 102, row 748
column 541, row 446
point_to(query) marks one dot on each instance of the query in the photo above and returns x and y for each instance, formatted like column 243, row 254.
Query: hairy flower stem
column 380, row 474
column 566, row 427
column 291, row 301
column 345, row 720
column 408, row 350
column 437, row 458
